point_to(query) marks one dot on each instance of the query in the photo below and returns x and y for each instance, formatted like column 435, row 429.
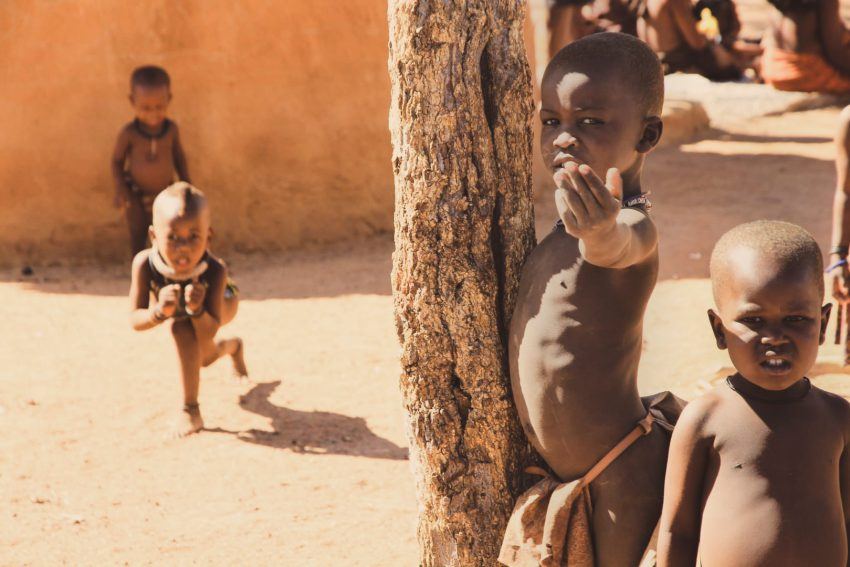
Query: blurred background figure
column 807, row 47
column 701, row 38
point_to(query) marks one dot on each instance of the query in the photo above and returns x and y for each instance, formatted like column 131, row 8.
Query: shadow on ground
column 313, row 432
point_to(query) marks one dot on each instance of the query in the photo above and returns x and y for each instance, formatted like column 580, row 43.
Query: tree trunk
column 460, row 120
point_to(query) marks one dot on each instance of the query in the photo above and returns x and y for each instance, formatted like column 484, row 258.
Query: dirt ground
column 308, row 465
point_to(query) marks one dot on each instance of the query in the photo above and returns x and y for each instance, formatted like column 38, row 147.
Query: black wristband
column 839, row 250
column 159, row 316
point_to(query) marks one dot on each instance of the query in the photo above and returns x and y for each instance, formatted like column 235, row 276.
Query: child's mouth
column 776, row 365
column 562, row 159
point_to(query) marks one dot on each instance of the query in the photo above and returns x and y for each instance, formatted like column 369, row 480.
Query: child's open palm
column 587, row 206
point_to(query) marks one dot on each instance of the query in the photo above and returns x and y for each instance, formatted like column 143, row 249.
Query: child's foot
column 189, row 421
column 240, row 371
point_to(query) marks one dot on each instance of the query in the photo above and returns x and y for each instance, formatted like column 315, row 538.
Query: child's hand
column 841, row 284
column 194, row 294
column 588, row 207
column 168, row 299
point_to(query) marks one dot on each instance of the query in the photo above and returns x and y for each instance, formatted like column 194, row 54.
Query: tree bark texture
column 461, row 128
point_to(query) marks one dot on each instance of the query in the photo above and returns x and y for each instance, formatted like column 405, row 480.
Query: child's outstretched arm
column 119, row 157
column 841, row 208
column 609, row 236
column 679, row 528
column 180, row 164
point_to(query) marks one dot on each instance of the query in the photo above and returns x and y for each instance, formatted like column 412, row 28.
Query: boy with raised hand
column 576, row 333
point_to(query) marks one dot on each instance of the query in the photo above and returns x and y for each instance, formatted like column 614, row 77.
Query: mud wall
column 282, row 106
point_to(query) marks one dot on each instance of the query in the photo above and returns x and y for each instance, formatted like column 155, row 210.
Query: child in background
column 148, row 155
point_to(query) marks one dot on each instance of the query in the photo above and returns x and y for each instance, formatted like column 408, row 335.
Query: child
column 190, row 288
column 148, row 154
column 807, row 48
column 670, row 29
column 759, row 468
column 575, row 336
column 838, row 269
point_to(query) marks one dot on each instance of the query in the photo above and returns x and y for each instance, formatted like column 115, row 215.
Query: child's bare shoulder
column 140, row 268
column 696, row 417
column 838, row 407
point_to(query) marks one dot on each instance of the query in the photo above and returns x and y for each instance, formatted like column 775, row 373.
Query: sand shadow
column 313, row 432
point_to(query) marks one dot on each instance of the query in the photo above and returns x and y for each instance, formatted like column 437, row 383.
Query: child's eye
column 797, row 319
column 750, row 321
column 550, row 122
column 590, row 121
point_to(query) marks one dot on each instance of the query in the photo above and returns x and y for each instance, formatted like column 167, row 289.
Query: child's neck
column 631, row 180
column 750, row 390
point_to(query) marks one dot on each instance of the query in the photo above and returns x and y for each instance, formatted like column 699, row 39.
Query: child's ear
column 130, row 98
column 717, row 329
column 825, row 312
column 210, row 234
column 151, row 235
column 652, row 128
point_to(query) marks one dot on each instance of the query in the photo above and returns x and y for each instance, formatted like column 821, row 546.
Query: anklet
column 190, row 407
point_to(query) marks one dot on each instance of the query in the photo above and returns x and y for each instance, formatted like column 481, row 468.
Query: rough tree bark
column 460, row 121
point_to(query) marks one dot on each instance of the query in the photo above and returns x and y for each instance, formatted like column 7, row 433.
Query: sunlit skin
column 576, row 333
column 770, row 319
column 144, row 163
column 758, row 472
column 181, row 239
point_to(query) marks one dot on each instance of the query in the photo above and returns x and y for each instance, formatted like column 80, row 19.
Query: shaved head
column 786, row 246
column 618, row 55
column 179, row 200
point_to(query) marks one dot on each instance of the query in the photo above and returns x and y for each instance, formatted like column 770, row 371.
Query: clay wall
column 282, row 107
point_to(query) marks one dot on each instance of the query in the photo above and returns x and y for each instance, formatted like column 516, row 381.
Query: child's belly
column 152, row 176
column 749, row 521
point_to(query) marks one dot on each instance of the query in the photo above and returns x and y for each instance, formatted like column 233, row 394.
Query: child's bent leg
column 189, row 353
column 212, row 350
column 627, row 499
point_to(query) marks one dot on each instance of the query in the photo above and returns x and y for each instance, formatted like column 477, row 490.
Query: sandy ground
column 308, row 465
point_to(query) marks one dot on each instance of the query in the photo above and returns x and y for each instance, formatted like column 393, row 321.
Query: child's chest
column 790, row 441
column 152, row 150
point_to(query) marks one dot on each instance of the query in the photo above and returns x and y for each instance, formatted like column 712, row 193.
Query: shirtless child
column 148, row 155
column 759, row 468
column 807, row 48
column 670, row 29
column 190, row 290
column 576, row 332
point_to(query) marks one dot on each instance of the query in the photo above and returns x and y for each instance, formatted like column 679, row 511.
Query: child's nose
column 773, row 336
column 565, row 140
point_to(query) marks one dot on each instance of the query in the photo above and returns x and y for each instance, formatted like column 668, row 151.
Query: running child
column 759, row 468
column 576, row 333
column 190, row 290
column 148, row 155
